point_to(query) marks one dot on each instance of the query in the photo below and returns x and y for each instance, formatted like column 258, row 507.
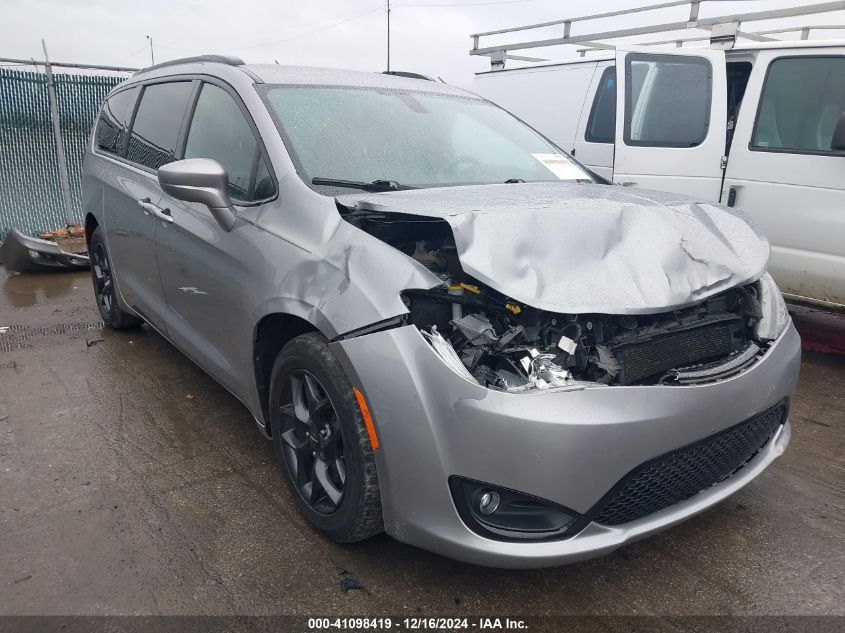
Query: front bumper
column 24, row 254
column 569, row 446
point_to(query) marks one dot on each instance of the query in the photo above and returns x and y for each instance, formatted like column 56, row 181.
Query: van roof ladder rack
column 757, row 36
column 724, row 29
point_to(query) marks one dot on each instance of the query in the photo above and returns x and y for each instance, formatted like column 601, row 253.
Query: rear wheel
column 321, row 441
column 105, row 292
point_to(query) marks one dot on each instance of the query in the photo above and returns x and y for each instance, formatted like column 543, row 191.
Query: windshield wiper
column 375, row 185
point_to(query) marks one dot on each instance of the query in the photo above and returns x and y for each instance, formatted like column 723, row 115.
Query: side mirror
column 838, row 142
column 200, row 180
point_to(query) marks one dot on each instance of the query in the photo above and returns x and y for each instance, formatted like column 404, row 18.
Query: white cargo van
column 760, row 126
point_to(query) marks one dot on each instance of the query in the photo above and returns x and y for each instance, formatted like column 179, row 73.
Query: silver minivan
column 451, row 330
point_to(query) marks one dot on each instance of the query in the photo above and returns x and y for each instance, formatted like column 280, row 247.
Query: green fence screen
column 30, row 190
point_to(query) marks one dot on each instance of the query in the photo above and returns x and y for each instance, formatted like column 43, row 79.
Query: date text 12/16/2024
column 415, row 624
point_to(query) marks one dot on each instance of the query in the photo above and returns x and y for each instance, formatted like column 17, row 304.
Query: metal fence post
column 57, row 133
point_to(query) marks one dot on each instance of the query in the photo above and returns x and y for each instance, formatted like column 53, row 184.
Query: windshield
column 345, row 137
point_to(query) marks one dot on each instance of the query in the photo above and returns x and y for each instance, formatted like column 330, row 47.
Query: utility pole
column 388, row 35
column 64, row 180
column 152, row 57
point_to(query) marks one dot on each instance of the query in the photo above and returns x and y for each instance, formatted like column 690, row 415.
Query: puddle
column 26, row 290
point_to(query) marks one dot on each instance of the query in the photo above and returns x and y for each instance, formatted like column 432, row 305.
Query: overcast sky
column 428, row 36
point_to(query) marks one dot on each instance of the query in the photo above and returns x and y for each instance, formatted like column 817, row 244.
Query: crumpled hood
column 578, row 248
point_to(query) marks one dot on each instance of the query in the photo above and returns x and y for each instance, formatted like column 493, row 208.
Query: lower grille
column 679, row 349
column 684, row 473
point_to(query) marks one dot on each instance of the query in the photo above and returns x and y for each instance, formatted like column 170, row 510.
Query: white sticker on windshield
column 561, row 166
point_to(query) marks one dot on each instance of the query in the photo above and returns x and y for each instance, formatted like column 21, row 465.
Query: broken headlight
column 447, row 353
column 775, row 317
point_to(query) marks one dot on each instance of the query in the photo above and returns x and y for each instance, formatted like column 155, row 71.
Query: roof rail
column 726, row 26
column 217, row 59
column 407, row 74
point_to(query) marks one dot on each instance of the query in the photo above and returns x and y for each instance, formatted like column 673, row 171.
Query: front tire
column 105, row 292
column 321, row 442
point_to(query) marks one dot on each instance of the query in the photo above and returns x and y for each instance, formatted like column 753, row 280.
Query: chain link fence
column 30, row 189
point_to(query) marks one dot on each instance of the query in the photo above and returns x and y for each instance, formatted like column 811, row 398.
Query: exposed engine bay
column 506, row 345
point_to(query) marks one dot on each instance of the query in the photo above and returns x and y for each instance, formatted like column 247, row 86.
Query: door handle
column 163, row 214
column 157, row 211
column 146, row 205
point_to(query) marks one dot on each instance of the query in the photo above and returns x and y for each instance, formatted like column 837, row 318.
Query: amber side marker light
column 368, row 419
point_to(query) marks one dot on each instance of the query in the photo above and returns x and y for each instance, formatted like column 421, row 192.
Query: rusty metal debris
column 63, row 232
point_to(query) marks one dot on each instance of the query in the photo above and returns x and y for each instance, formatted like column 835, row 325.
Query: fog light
column 489, row 502
column 504, row 514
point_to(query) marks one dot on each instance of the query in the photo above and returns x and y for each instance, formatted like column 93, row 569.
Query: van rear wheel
column 105, row 292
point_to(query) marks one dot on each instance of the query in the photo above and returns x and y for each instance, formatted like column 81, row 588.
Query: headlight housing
column 775, row 316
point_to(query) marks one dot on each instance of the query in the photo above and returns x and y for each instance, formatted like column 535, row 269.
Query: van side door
column 133, row 190
column 597, row 125
column 786, row 172
column 671, row 121
column 203, row 267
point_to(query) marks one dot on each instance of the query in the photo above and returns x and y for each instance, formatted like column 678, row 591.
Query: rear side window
column 667, row 100
column 802, row 100
column 113, row 123
column 601, row 126
column 155, row 131
column 220, row 131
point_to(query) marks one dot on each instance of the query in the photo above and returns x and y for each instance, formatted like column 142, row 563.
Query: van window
column 802, row 100
column 667, row 100
column 114, row 121
column 738, row 74
column 417, row 138
column 475, row 138
column 264, row 186
column 155, row 131
column 601, row 126
column 220, row 131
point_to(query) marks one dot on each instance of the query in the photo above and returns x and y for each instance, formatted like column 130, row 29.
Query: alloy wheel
column 312, row 442
column 103, row 283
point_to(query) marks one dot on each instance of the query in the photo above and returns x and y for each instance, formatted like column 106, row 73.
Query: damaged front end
column 506, row 345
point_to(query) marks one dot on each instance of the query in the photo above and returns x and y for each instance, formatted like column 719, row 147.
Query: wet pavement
column 130, row 483
column 821, row 330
